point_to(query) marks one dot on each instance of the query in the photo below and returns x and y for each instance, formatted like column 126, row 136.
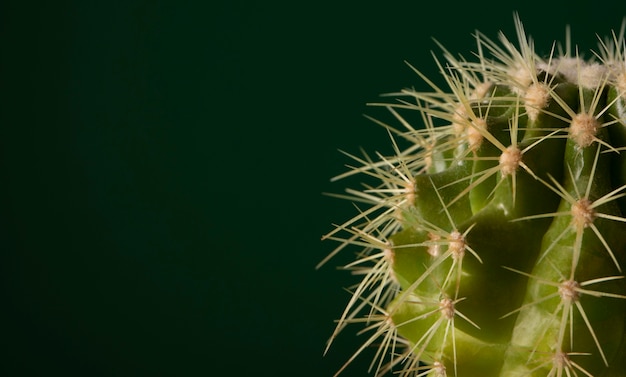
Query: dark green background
column 163, row 164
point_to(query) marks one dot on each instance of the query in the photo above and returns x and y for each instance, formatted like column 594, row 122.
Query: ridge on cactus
column 495, row 243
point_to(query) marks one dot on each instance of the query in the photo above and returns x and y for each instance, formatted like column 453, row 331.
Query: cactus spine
column 495, row 244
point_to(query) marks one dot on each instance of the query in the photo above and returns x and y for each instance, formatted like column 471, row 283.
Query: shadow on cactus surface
column 494, row 244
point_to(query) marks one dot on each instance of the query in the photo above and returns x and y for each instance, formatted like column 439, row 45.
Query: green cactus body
column 495, row 245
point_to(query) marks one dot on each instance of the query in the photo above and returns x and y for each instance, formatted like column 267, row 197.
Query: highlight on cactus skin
column 494, row 244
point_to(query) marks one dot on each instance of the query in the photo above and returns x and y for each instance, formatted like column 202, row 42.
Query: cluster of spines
column 517, row 84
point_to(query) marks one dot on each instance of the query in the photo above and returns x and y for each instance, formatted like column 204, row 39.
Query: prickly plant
column 493, row 242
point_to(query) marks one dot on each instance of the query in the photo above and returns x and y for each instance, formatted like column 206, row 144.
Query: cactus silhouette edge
column 495, row 243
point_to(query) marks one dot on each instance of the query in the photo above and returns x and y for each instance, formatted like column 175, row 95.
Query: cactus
column 493, row 242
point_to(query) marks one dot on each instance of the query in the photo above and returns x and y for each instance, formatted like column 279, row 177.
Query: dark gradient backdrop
column 163, row 164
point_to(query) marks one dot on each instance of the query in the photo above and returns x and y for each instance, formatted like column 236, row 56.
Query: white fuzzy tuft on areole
column 591, row 76
column 475, row 133
column 510, row 160
column 583, row 129
column 536, row 98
